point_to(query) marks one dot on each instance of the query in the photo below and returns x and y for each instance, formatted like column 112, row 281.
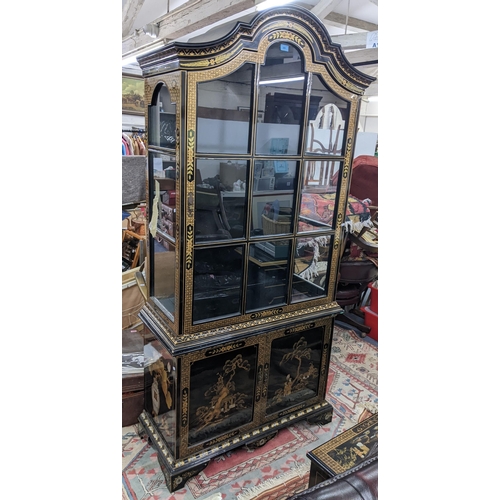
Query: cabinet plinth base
column 177, row 472
column 258, row 443
column 321, row 418
column 176, row 480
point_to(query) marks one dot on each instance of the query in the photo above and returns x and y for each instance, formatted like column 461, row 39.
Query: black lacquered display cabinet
column 247, row 136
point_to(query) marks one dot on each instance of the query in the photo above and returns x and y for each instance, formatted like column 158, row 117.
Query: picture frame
column 133, row 101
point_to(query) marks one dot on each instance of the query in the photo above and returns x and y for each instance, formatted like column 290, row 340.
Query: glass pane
column 163, row 195
column 217, row 282
column 224, row 112
column 162, row 166
column 281, row 100
column 294, row 370
column 161, row 130
column 311, row 267
column 274, row 185
column 163, row 286
column 268, row 274
column 326, row 120
column 221, row 191
column 317, row 202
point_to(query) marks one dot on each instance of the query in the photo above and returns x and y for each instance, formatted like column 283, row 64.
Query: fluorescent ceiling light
column 281, row 80
column 267, row 4
column 373, row 98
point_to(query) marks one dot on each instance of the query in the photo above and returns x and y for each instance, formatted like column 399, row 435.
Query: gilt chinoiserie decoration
column 250, row 144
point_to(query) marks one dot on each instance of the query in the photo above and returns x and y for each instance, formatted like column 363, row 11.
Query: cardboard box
column 132, row 299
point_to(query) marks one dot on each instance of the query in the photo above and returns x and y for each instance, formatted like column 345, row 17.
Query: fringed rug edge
column 255, row 492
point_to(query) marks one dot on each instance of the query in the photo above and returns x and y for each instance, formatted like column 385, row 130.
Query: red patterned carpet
column 280, row 468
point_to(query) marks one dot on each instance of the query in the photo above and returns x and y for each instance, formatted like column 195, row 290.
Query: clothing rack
column 139, row 131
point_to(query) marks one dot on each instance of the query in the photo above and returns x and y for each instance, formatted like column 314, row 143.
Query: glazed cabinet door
column 164, row 202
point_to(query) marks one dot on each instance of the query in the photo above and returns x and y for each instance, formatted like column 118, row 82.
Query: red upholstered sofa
column 364, row 178
column 364, row 181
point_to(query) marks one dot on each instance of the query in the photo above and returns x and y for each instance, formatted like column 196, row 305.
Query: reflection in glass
column 164, row 182
column 319, row 186
column 217, row 282
column 276, row 219
column 163, row 195
column 221, row 190
column 326, row 120
column 274, row 184
column 281, row 98
column 311, row 267
column 268, row 275
column 224, row 112
column 163, row 264
column 161, row 131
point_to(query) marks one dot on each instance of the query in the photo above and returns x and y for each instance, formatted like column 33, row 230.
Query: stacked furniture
column 241, row 286
column 359, row 262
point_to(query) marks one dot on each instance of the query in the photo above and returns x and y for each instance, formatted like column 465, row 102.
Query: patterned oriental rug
column 280, row 468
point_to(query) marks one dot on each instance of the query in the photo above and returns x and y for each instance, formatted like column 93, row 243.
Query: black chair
column 210, row 218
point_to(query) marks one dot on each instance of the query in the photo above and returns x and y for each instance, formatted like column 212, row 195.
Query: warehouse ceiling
column 352, row 23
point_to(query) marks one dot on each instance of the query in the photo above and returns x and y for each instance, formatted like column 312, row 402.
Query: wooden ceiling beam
column 351, row 41
column 339, row 21
column 189, row 17
column 129, row 13
column 199, row 14
column 324, row 7
column 363, row 56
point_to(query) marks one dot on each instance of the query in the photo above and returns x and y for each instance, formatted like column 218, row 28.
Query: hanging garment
column 142, row 147
column 125, row 144
column 130, row 144
column 126, row 138
column 136, row 146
